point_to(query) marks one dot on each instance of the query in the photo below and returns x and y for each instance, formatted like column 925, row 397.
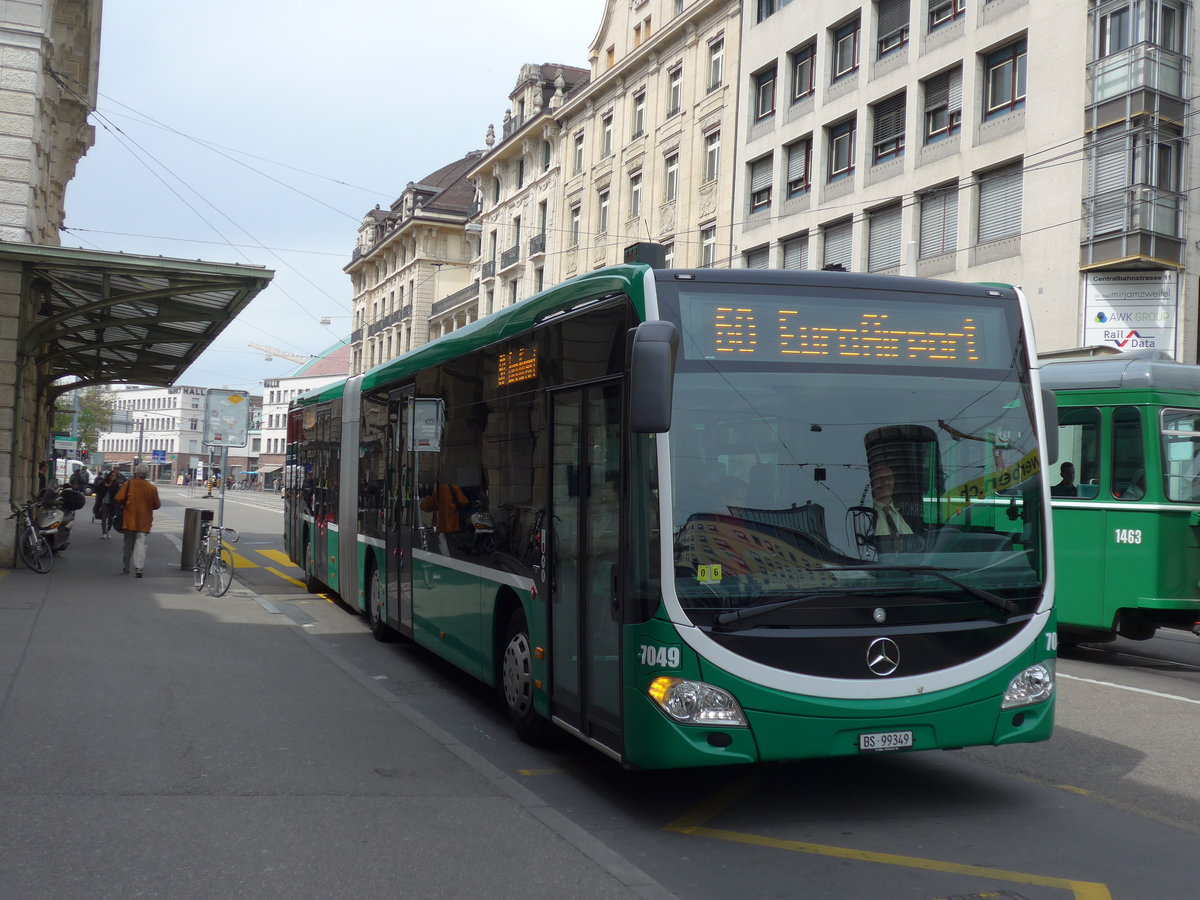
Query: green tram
column 1127, row 524
column 708, row 516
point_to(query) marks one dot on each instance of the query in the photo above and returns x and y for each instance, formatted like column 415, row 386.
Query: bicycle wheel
column 35, row 550
column 220, row 572
column 200, row 569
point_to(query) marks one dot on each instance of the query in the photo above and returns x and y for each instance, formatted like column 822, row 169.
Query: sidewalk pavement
column 157, row 742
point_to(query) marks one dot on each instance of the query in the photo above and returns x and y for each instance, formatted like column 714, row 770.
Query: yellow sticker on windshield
column 708, row 574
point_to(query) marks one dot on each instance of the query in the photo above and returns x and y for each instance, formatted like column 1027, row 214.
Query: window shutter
column 937, row 91
column 889, row 119
column 797, row 161
column 939, row 222
column 760, row 174
column 893, row 15
column 838, row 244
column 883, row 242
column 1000, row 204
column 795, row 253
column 758, row 259
column 955, row 89
column 1109, row 172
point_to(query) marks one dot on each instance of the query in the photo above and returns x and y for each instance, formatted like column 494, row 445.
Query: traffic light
column 83, row 454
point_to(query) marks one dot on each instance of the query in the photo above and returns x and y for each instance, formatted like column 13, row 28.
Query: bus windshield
column 848, row 478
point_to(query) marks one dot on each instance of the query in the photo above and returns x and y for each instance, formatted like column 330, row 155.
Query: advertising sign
column 1133, row 310
column 425, row 420
column 226, row 418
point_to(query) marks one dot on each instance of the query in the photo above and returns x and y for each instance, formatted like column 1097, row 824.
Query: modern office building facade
column 1042, row 145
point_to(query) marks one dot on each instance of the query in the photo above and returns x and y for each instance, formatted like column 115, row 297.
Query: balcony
column 510, row 257
column 489, row 269
column 537, row 244
column 455, row 299
column 1143, row 66
column 512, row 125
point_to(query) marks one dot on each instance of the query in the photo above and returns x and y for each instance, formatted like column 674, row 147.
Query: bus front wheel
column 516, row 681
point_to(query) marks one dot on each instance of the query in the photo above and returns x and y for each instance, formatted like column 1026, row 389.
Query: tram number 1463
column 1127, row 535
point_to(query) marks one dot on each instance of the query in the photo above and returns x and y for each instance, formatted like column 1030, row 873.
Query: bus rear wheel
column 516, row 681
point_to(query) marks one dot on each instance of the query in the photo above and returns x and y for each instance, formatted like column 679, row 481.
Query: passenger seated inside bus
column 1066, row 486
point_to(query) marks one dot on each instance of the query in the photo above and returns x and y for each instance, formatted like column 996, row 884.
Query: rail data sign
column 226, row 418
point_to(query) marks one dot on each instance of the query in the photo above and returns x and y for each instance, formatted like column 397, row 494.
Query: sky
column 261, row 131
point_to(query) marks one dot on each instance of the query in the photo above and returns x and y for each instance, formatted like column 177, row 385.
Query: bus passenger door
column 400, row 514
column 582, row 528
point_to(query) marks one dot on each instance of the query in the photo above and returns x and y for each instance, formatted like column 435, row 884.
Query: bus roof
column 1136, row 370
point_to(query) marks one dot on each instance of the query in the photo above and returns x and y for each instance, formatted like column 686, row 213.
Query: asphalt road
column 1109, row 808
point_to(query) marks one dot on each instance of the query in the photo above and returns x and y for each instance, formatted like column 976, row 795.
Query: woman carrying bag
column 138, row 499
column 106, row 504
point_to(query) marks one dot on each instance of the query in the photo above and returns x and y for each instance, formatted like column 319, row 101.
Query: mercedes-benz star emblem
column 883, row 656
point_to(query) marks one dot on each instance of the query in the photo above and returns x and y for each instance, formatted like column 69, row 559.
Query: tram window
column 1128, row 456
column 1078, row 448
column 1181, row 454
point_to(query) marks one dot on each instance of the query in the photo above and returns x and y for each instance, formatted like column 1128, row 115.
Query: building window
column 883, row 238
column 942, row 12
column 635, row 195
column 839, row 238
column 767, row 8
column 669, row 254
column 795, row 253
column 943, row 105
column 606, row 140
column 610, row 57
column 893, row 25
column 674, row 90
column 545, row 155
column 520, row 173
column 841, row 149
column 708, row 246
column 760, row 184
column 799, row 163
column 1115, row 31
column 1000, row 204
column 712, row 155
column 602, row 203
column 1004, row 81
column 639, row 113
column 578, row 153
column 495, row 190
column 759, row 258
column 539, row 279
column 543, row 215
column 671, row 181
column 845, row 49
column 716, row 63
column 888, row 139
column 764, row 94
column 939, row 222
column 802, row 62
column 575, row 218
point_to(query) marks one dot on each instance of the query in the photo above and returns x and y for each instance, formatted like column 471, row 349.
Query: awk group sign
column 1131, row 310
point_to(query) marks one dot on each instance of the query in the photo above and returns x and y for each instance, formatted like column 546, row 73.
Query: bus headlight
column 695, row 703
column 1033, row 685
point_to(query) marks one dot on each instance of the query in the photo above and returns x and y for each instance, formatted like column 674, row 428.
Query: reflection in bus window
column 1128, row 459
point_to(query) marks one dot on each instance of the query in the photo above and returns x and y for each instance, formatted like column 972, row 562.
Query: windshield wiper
column 978, row 593
column 750, row 612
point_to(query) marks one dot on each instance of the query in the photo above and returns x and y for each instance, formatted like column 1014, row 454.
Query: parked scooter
column 56, row 513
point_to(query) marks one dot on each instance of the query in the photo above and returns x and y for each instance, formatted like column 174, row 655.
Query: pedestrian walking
column 105, row 506
column 138, row 499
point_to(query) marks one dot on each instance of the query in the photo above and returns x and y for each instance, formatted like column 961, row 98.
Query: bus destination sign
column 838, row 331
column 516, row 365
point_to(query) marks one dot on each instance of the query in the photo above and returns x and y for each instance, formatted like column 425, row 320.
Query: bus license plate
column 885, row 740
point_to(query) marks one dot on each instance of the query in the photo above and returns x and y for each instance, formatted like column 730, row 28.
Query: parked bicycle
column 213, row 567
column 34, row 548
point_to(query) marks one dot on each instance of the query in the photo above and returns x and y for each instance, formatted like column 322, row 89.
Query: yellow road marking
column 239, row 561
column 1083, row 890
column 278, row 556
column 287, row 578
column 718, row 803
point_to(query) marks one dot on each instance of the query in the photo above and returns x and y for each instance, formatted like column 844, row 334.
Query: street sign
column 158, row 456
column 226, row 418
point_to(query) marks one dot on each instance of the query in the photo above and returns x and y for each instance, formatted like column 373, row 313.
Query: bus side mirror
column 652, row 377
column 1050, row 410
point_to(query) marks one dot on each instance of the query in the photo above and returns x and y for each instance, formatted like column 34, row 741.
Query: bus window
column 1181, row 454
column 1128, row 457
column 1079, row 448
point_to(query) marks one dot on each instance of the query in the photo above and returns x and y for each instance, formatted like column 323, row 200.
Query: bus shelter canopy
column 107, row 318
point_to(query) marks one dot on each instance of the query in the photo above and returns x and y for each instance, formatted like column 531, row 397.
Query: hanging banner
column 1133, row 310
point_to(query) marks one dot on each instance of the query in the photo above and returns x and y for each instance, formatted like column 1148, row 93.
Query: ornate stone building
column 518, row 188
column 647, row 144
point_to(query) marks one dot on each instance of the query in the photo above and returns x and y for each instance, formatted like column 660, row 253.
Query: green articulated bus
column 708, row 516
column 1127, row 512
